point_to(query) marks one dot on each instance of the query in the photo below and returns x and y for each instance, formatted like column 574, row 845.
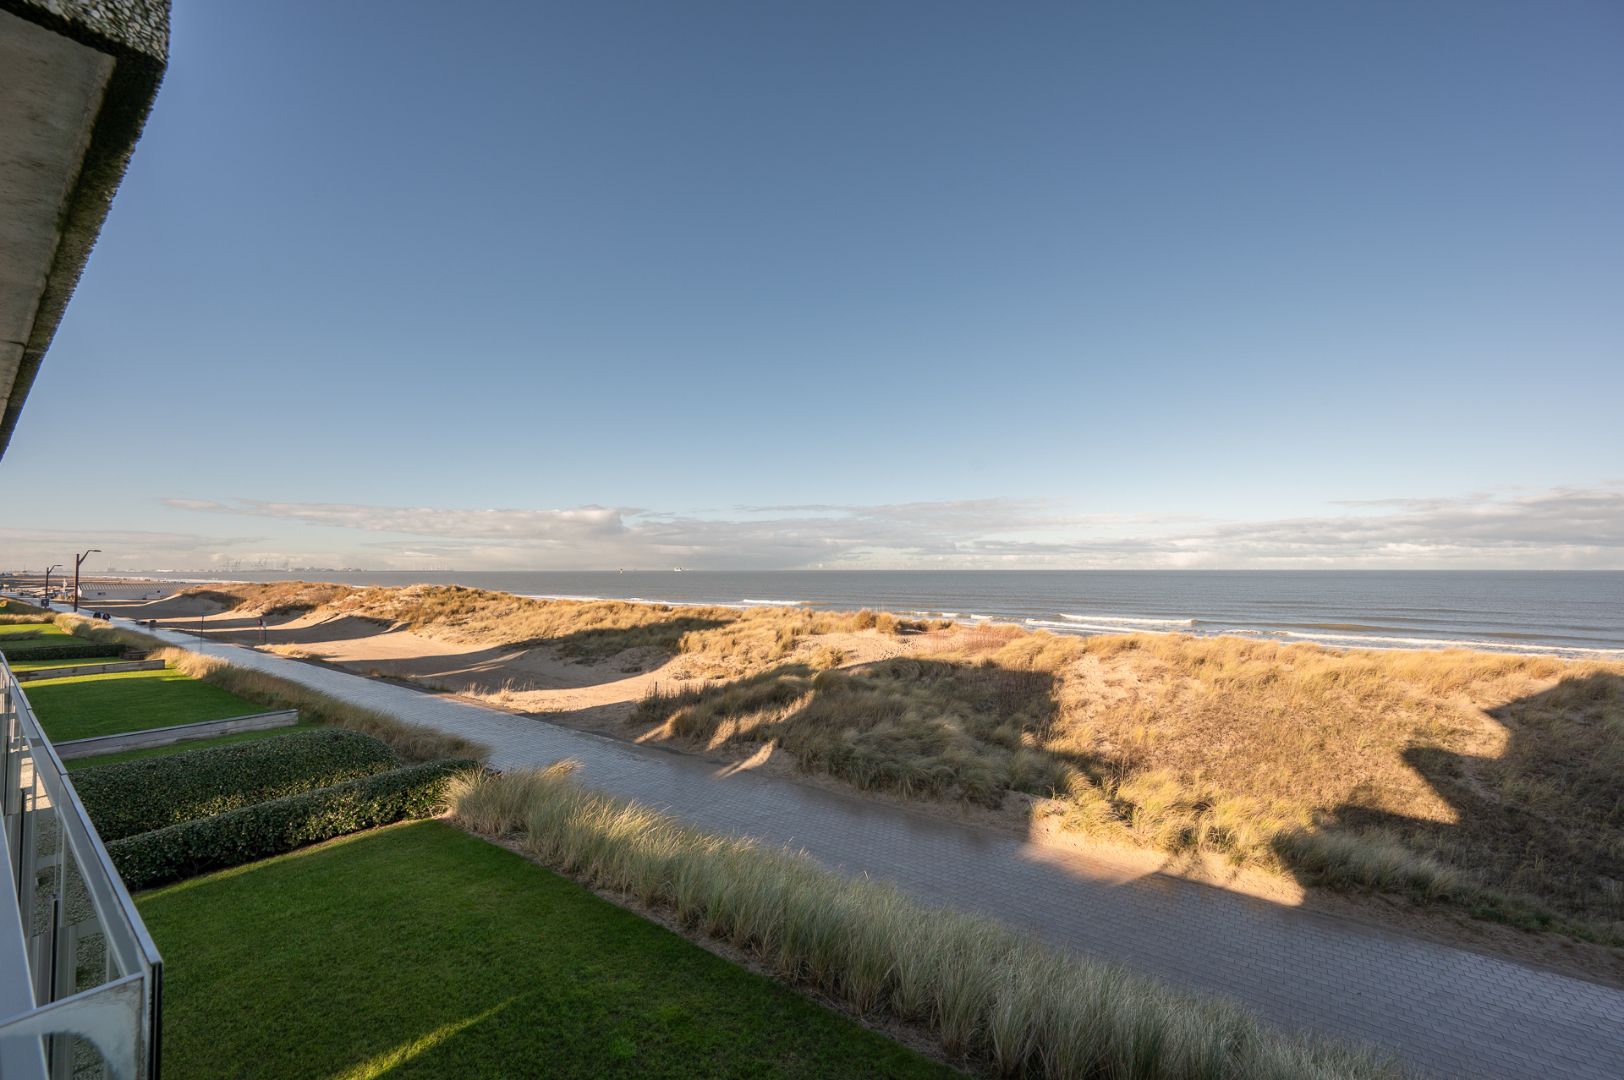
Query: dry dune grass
column 921, row 727
column 1492, row 782
column 293, row 652
column 113, row 636
column 270, row 598
column 760, row 637
column 508, row 694
column 988, row 994
column 714, row 641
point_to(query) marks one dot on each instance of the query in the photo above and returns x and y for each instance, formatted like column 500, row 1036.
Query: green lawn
column 180, row 748
column 417, row 950
column 42, row 633
column 88, row 705
column 40, row 665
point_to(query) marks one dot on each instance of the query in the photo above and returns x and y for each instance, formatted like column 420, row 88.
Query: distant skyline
column 722, row 285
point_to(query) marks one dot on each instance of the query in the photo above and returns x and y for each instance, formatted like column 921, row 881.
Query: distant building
column 77, row 78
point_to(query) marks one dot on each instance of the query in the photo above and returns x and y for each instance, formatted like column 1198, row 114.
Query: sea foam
column 1126, row 620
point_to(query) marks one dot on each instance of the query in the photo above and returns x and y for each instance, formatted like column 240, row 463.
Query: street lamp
column 77, row 561
column 46, row 595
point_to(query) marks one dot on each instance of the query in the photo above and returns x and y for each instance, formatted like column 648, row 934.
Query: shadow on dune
column 586, row 646
column 569, row 661
column 1544, row 818
column 594, row 656
column 591, row 646
column 1537, row 838
column 932, row 728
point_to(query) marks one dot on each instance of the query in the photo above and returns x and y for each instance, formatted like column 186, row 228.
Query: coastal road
column 1448, row 1012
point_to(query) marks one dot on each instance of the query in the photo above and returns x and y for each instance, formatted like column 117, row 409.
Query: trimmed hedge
column 139, row 796
column 270, row 828
column 27, row 649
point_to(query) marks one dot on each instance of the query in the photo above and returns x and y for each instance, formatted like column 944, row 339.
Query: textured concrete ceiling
column 77, row 78
column 49, row 99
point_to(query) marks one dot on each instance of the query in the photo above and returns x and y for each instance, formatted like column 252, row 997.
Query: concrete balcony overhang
column 77, row 78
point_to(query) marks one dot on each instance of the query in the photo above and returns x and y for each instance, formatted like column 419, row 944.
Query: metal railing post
column 45, row 1016
column 25, row 855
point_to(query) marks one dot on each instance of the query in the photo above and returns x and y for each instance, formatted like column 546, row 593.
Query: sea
column 1577, row 614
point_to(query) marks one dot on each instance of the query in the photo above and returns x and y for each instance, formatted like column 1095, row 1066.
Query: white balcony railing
column 80, row 979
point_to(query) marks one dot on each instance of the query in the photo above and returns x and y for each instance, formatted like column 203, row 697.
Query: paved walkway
column 1447, row 1011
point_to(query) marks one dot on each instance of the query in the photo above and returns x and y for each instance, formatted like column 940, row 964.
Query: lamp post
column 78, row 560
column 46, row 595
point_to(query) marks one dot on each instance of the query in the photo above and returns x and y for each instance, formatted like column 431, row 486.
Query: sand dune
column 179, row 606
column 597, row 695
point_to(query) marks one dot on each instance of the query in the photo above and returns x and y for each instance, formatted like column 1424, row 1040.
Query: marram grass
column 987, row 993
column 1487, row 783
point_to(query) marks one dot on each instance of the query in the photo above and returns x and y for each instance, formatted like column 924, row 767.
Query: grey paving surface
column 1446, row 1011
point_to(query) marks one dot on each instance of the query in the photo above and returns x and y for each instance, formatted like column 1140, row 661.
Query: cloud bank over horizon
column 1559, row 528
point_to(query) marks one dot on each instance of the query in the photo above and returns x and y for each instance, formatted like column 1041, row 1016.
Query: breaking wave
column 1112, row 620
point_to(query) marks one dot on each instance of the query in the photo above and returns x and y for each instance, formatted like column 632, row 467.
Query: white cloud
column 35, row 549
column 1563, row 527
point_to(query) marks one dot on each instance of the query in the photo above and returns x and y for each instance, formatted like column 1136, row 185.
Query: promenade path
column 1448, row 1012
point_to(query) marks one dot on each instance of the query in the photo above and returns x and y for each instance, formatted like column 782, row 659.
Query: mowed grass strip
column 19, row 638
column 13, row 631
column 86, row 706
column 181, row 748
column 417, row 950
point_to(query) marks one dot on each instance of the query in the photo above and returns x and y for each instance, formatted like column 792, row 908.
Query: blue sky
column 741, row 284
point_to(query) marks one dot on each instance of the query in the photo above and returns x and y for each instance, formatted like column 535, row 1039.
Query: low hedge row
column 270, row 828
column 31, row 649
column 139, row 796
